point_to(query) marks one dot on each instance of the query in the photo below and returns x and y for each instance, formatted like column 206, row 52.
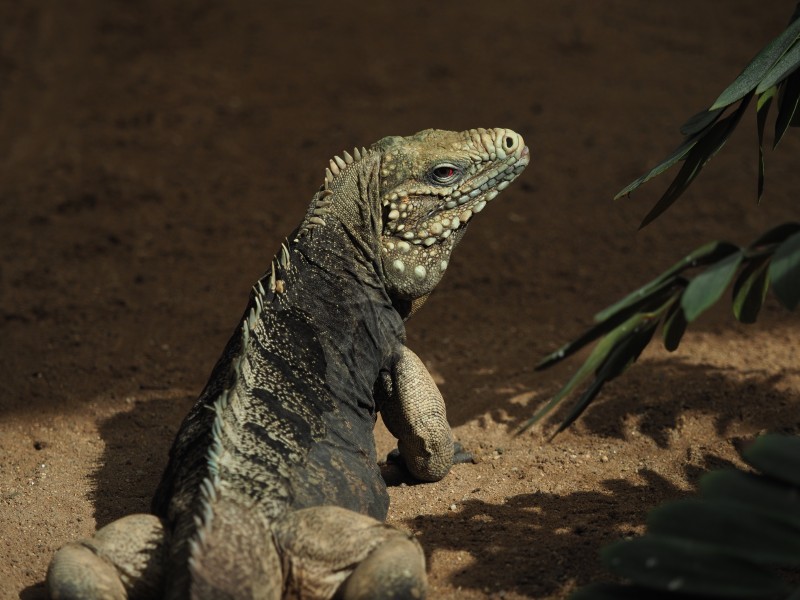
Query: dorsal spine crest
column 210, row 485
column 320, row 206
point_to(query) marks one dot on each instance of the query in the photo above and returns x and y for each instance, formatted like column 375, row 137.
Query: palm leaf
column 736, row 530
column 785, row 65
column 623, row 355
column 673, row 300
column 787, row 107
column 705, row 289
column 775, row 235
column 737, row 488
column 598, row 356
column 750, row 290
column 610, row 591
column 678, row 154
column 673, row 564
column 774, row 67
column 762, row 109
column 755, row 72
column 704, row 255
column 652, row 298
column 777, row 456
column 784, row 272
column 696, row 123
column 675, row 324
column 708, row 144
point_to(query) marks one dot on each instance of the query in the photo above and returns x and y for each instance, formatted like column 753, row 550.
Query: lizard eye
column 445, row 174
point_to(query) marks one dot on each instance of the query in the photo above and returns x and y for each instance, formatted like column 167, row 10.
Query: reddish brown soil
column 154, row 154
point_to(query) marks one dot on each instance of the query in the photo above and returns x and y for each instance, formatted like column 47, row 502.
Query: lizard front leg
column 414, row 412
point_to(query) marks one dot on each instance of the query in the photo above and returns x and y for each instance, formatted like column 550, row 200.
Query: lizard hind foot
column 77, row 572
column 123, row 561
column 395, row 570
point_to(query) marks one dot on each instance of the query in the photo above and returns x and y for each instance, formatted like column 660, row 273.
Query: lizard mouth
column 455, row 207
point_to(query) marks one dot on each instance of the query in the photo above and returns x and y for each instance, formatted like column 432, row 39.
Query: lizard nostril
column 510, row 142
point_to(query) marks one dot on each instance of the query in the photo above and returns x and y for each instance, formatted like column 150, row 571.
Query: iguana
column 272, row 489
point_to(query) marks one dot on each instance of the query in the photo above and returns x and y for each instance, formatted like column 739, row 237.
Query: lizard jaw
column 456, row 206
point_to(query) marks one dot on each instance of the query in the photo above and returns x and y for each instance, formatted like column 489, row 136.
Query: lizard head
column 431, row 186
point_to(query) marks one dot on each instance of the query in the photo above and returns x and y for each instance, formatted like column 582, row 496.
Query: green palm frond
column 771, row 74
column 672, row 301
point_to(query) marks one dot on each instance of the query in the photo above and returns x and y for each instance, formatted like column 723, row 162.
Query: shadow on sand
column 561, row 531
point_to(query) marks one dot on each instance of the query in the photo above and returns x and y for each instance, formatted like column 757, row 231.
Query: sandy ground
column 154, row 154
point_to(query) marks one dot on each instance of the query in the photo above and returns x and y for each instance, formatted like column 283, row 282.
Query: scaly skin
column 272, row 488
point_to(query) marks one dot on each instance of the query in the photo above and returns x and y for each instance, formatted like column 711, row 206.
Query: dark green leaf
column 620, row 358
column 674, row 326
column 787, row 106
column 750, row 290
column 764, row 99
column 754, row 72
column 764, row 102
column 705, row 289
column 655, row 298
column 795, row 122
column 782, row 68
column 661, row 287
column 700, row 121
column 777, row 456
column 775, row 235
column 784, row 272
column 612, row 591
column 581, row 404
column 596, row 358
column 735, row 530
column 671, row 564
column 689, row 171
column 737, row 488
column 704, row 255
column 708, row 144
column 679, row 153
column 795, row 13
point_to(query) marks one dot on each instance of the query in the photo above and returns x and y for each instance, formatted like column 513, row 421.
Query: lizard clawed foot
column 394, row 458
column 460, row 456
column 395, row 471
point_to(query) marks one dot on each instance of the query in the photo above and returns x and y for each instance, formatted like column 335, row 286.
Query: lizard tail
column 234, row 555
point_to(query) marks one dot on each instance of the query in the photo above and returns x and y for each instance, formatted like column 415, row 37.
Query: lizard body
column 272, row 489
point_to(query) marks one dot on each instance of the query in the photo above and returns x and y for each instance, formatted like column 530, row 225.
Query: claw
column 461, row 456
